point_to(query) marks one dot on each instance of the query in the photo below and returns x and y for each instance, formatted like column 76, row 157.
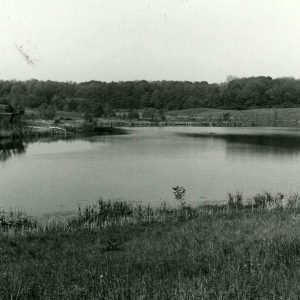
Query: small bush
column 269, row 201
column 235, row 201
column 179, row 194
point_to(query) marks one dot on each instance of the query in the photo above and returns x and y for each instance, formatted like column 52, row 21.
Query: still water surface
column 143, row 166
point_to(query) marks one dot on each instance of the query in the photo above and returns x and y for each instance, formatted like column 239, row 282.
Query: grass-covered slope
column 238, row 252
column 252, row 117
column 237, row 256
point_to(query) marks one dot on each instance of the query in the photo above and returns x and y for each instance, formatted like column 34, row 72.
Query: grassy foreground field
column 114, row 252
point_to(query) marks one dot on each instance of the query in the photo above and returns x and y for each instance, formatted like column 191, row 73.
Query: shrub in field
column 235, row 201
column 293, row 201
column 268, row 201
column 15, row 220
column 105, row 212
column 179, row 194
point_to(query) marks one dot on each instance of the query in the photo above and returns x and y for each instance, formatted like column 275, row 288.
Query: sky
column 118, row 40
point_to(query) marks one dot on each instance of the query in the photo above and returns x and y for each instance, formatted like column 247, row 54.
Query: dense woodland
column 102, row 98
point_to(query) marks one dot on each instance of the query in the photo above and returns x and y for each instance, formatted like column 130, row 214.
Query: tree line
column 102, row 98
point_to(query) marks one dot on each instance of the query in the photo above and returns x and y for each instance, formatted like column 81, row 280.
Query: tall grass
column 117, row 250
column 108, row 213
column 245, row 249
column 15, row 221
column 265, row 200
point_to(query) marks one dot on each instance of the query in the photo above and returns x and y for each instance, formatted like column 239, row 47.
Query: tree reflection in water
column 8, row 148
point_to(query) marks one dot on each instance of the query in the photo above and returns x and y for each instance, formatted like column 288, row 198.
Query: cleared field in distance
column 252, row 117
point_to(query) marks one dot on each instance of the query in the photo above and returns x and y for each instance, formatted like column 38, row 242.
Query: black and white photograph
column 149, row 149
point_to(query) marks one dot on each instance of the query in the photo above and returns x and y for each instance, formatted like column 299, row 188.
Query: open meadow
column 263, row 117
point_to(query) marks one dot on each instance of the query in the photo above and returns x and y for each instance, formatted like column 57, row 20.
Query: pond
column 55, row 176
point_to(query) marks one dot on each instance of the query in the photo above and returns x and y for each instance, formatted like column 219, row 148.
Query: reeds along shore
column 106, row 213
column 23, row 132
column 116, row 250
column 29, row 132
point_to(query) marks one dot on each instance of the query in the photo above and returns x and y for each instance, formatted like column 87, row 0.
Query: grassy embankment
column 117, row 251
column 279, row 117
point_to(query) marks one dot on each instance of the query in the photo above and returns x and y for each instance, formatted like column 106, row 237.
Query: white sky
column 112, row 40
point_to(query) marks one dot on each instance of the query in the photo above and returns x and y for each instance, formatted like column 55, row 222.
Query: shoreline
column 39, row 132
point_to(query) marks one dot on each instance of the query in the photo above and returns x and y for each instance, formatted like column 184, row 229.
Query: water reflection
column 281, row 144
column 11, row 147
column 8, row 148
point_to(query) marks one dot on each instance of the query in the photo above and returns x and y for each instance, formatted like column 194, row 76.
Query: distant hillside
column 279, row 117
